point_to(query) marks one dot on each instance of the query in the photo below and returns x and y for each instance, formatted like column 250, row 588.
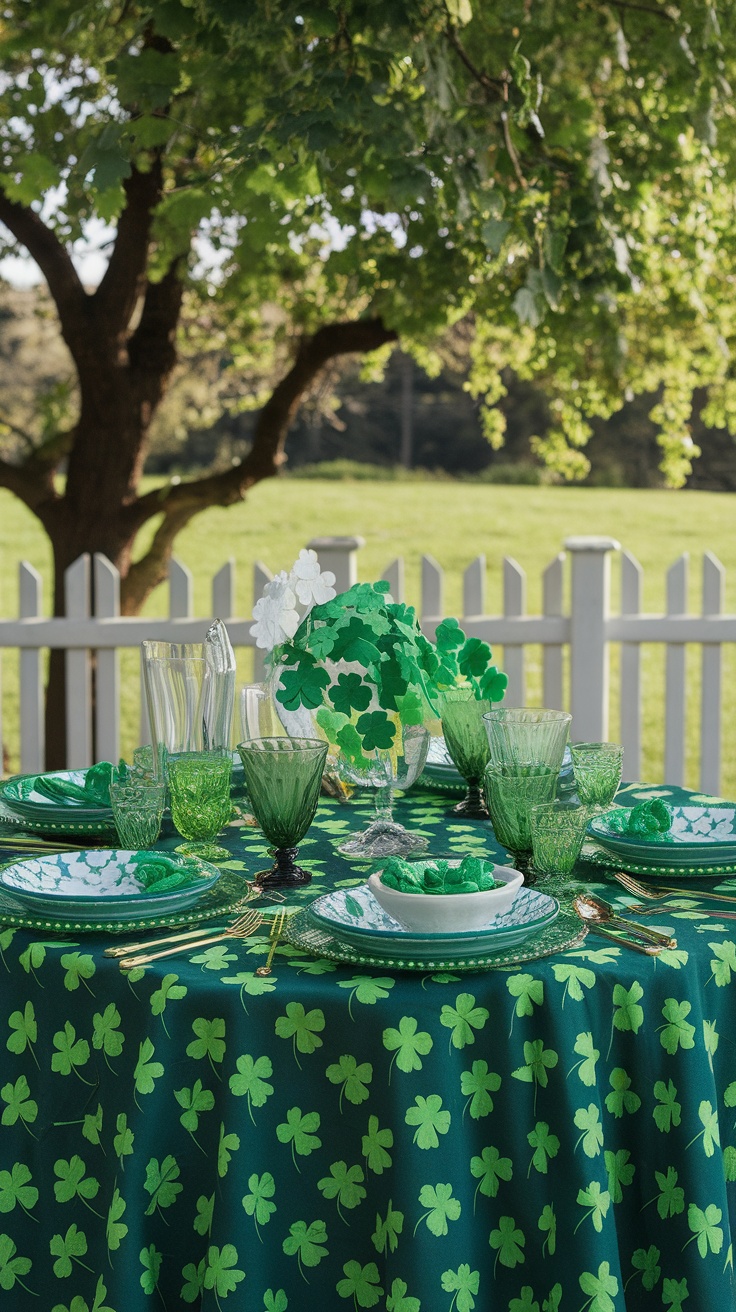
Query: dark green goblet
column 511, row 792
column 467, row 742
column 283, row 777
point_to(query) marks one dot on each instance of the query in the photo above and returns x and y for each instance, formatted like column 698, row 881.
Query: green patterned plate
column 58, row 827
column 303, row 931
column 228, row 895
column 658, row 870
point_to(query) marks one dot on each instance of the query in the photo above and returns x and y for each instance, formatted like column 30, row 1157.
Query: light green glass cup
column 511, row 791
column 557, row 831
column 137, row 808
column 199, row 788
column 597, row 770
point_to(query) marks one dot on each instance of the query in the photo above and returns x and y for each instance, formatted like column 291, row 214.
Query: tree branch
column 492, row 86
column 26, row 485
column 643, row 9
column 125, row 277
column 51, row 452
column 152, row 347
column 55, row 264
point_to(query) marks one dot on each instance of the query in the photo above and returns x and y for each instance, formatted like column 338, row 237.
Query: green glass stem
column 473, row 805
column 284, row 872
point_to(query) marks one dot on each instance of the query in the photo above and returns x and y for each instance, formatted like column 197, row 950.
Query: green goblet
column 558, row 830
column 199, row 786
column 467, row 742
column 597, row 770
column 511, row 791
column 283, row 778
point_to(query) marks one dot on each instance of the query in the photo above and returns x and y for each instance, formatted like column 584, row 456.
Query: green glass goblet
column 137, row 806
column 558, row 830
column 511, row 791
column 466, row 740
column 597, row 770
column 199, row 787
column 283, row 778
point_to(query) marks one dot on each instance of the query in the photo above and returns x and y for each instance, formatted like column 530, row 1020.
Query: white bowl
column 449, row 913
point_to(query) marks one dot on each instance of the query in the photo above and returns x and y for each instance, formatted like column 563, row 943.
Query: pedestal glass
column 557, row 831
column 259, row 716
column 521, row 735
column 283, row 777
column 385, row 770
column 137, row 806
column 511, row 791
column 467, row 743
column 199, row 786
column 597, row 770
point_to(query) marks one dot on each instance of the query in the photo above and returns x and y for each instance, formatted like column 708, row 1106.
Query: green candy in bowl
column 445, row 897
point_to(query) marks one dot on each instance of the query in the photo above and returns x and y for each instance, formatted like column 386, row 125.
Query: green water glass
column 511, row 791
column 283, row 778
column 461, row 713
column 137, row 808
column 597, row 769
column 557, row 830
column 199, row 788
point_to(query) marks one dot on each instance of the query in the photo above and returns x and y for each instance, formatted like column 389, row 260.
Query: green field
column 453, row 522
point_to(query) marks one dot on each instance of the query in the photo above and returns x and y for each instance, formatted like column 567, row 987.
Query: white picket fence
column 587, row 630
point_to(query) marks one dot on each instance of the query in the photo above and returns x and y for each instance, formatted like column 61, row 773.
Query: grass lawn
column 454, row 522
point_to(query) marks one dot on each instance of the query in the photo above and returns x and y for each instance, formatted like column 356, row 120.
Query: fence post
column 589, row 660
column 261, row 576
column 107, row 672
column 339, row 555
column 78, row 670
column 31, row 684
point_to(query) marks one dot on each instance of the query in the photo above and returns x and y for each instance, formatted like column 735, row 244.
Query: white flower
column 312, row 587
column 275, row 614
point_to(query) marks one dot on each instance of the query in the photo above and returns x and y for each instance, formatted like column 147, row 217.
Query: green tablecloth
column 554, row 1138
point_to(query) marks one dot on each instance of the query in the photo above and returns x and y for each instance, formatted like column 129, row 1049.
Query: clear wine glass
column 384, row 770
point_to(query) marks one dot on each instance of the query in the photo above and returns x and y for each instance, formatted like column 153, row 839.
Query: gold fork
column 277, row 925
column 665, row 890
column 240, row 928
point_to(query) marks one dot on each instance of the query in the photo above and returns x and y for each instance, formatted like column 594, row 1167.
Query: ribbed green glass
column 557, row 836
column 283, row 778
column 199, row 784
column 137, row 808
column 597, row 770
column 511, row 791
column 467, row 742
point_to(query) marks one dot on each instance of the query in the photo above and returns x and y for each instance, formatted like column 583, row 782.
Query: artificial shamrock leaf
column 73, row 1183
column 462, row 1019
column 214, row 958
column 376, row 730
column 303, row 686
column 79, row 968
column 508, row 1241
column 12, row 1267
column 442, row 1208
column 464, row 1284
column 576, row 979
column 162, row 1183
column 360, row 1284
column 590, row 1054
column 489, row 1169
column 545, row 1144
column 477, row 1085
column 399, row 1300
column 601, row 1288
column 20, row 1105
column 677, row 1032
column 355, row 642
column 646, row 1260
column 548, row 1224
column 123, row 1140
column 448, row 635
column 107, row 1035
column 299, row 1130
column 23, row 1023
column 588, row 1120
column 473, row 658
column 210, row 1040
column 221, row 1273
column 169, row 990
column 205, row 1212
column 252, row 1081
column 16, row 1187
column 349, row 694
column 670, row 1111
column 430, row 1119
column 146, row 1071
column 705, row 1228
column 67, row 1249
column 71, row 1052
column 597, row 1202
column 258, row 1202
column 115, row 1229
column 408, row 1044
column 194, row 1101
column 394, row 684
column 351, row 745
column 621, row 1099
column 729, row 1163
column 352, row 1078
column 620, row 1172
column 375, row 1146
column 302, row 1027
column 151, row 1262
column 229, row 1144
column 710, row 1040
column 386, row 1235
column 308, row 1242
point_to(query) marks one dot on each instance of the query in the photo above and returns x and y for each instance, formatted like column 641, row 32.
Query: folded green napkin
column 472, row 875
column 95, row 791
column 162, row 874
column 650, row 820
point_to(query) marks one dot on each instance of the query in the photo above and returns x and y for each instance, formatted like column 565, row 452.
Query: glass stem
column 384, row 805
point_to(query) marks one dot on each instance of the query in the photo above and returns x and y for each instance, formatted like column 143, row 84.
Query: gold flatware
column 125, row 949
column 240, row 928
column 601, row 917
column 664, row 891
column 277, row 925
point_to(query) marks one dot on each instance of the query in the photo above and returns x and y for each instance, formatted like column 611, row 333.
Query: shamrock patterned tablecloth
column 557, row 1137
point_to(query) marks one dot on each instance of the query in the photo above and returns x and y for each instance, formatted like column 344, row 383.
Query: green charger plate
column 303, row 931
column 226, row 896
column 597, row 856
column 58, row 827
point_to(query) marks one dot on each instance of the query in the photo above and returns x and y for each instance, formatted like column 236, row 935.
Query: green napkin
column 95, row 791
column 472, row 875
column 650, row 820
column 162, row 874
